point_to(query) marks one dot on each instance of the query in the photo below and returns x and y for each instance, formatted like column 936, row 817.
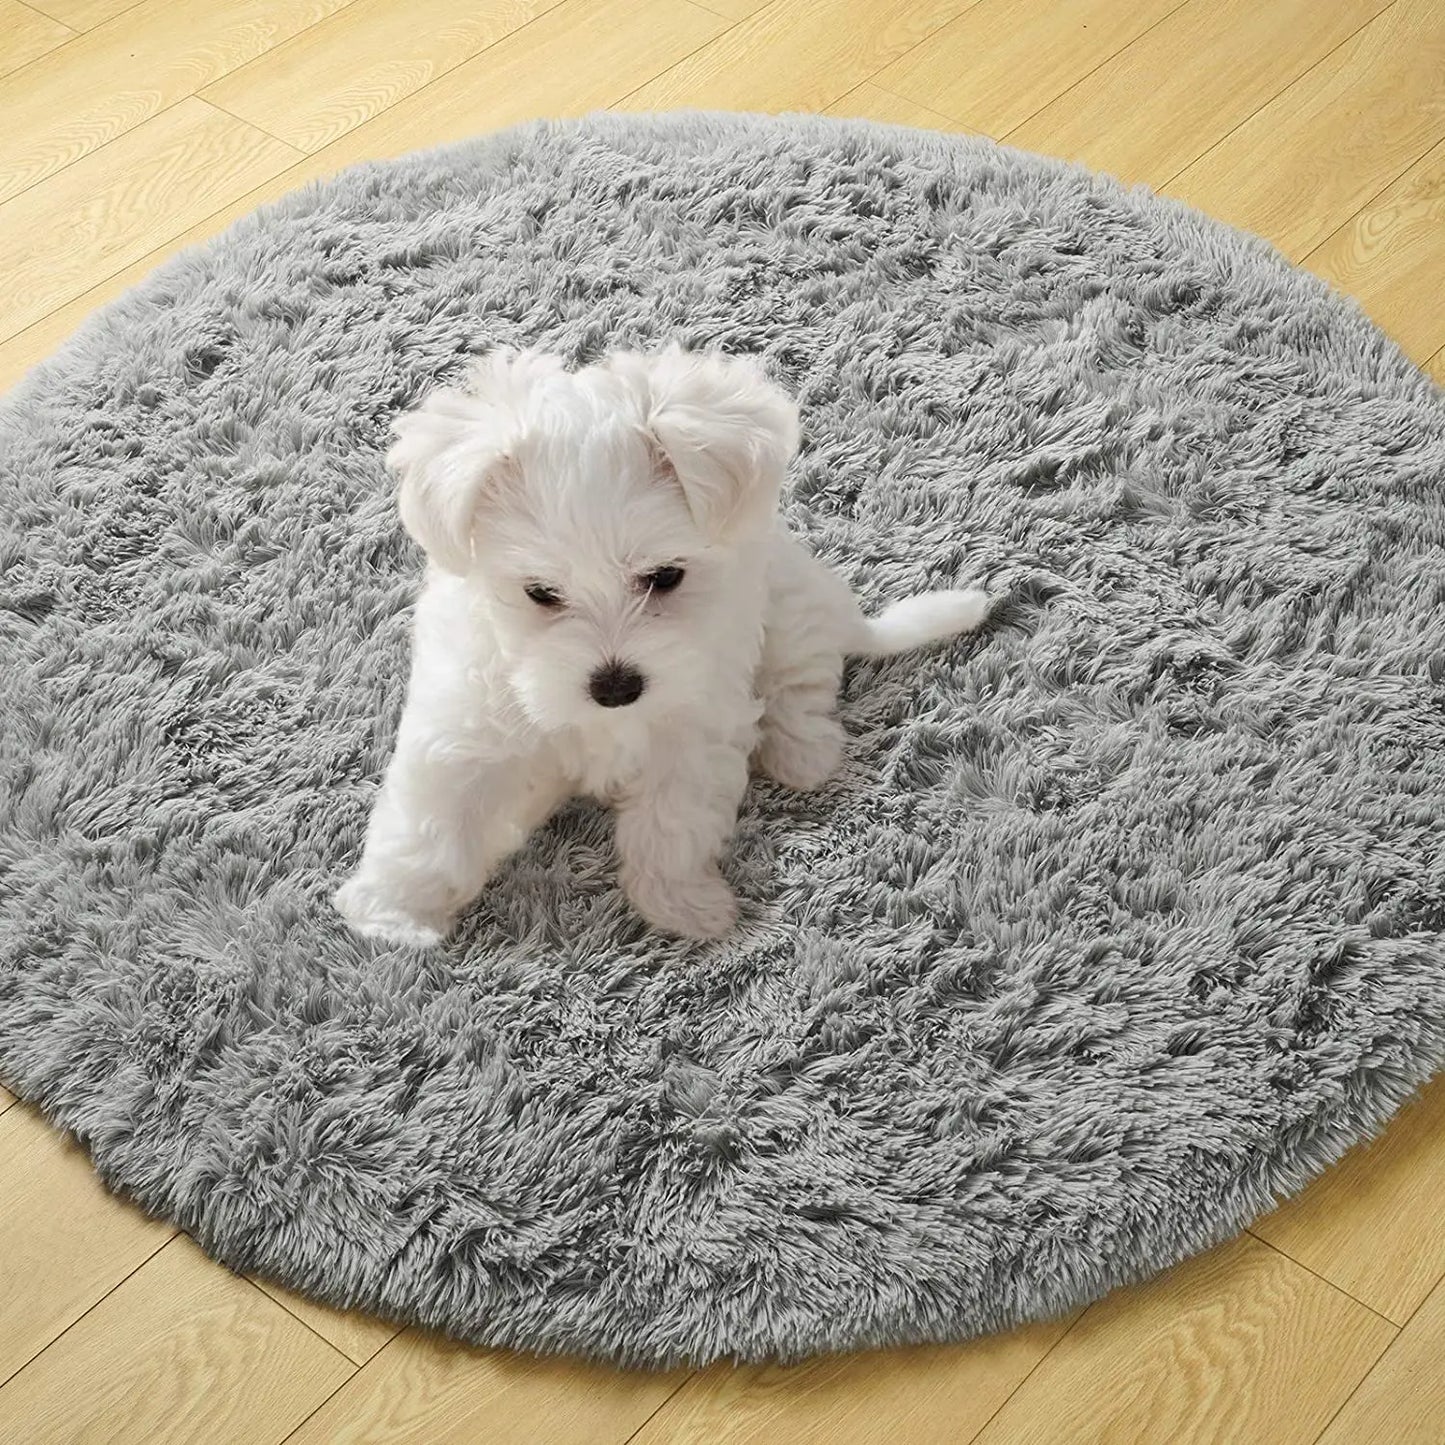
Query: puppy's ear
column 456, row 450
column 724, row 430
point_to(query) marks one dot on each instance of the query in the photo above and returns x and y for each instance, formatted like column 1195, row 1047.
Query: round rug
column 1124, row 919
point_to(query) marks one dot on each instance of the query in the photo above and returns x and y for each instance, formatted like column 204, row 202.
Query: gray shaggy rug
column 1124, row 920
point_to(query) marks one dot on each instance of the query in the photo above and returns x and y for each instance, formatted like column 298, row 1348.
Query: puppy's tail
column 916, row 621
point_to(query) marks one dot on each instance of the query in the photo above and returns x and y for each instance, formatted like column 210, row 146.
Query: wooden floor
column 128, row 130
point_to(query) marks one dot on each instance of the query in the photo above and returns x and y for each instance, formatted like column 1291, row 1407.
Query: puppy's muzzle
column 615, row 684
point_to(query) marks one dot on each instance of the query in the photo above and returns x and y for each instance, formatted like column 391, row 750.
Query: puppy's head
column 608, row 514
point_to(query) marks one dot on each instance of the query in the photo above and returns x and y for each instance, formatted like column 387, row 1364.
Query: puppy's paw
column 803, row 752
column 701, row 907
column 373, row 914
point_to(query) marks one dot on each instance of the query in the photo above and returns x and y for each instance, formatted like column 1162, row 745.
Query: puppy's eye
column 663, row 579
column 544, row 596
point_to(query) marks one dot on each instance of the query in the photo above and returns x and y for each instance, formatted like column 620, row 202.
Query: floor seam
column 1308, row 70
column 1323, row 1279
column 95, row 1303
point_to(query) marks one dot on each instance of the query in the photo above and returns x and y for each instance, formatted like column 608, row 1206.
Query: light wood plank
column 538, row 70
column 1436, row 366
column 87, row 14
column 182, row 1351
column 1373, row 1224
column 64, row 1240
column 582, row 56
column 1390, row 257
column 6, row 1098
column 1402, row 1401
column 868, row 102
column 105, row 83
column 1303, row 164
column 936, row 1395
column 421, row 1390
column 1240, row 1344
column 115, row 206
column 795, row 55
column 38, row 341
column 1164, row 100
column 27, row 35
column 735, row 9
column 358, row 1336
column 1003, row 60
column 356, row 64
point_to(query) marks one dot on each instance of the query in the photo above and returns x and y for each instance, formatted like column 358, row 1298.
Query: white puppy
column 613, row 608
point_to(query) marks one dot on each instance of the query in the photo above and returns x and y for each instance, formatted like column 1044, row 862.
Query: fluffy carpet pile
column 1125, row 918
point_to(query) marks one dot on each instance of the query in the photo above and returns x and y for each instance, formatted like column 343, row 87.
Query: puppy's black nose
column 615, row 685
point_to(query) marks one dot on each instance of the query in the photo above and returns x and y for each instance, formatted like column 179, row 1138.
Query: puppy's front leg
column 672, row 826
column 442, row 823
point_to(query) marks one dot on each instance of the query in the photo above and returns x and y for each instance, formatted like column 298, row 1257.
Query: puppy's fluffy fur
column 613, row 609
